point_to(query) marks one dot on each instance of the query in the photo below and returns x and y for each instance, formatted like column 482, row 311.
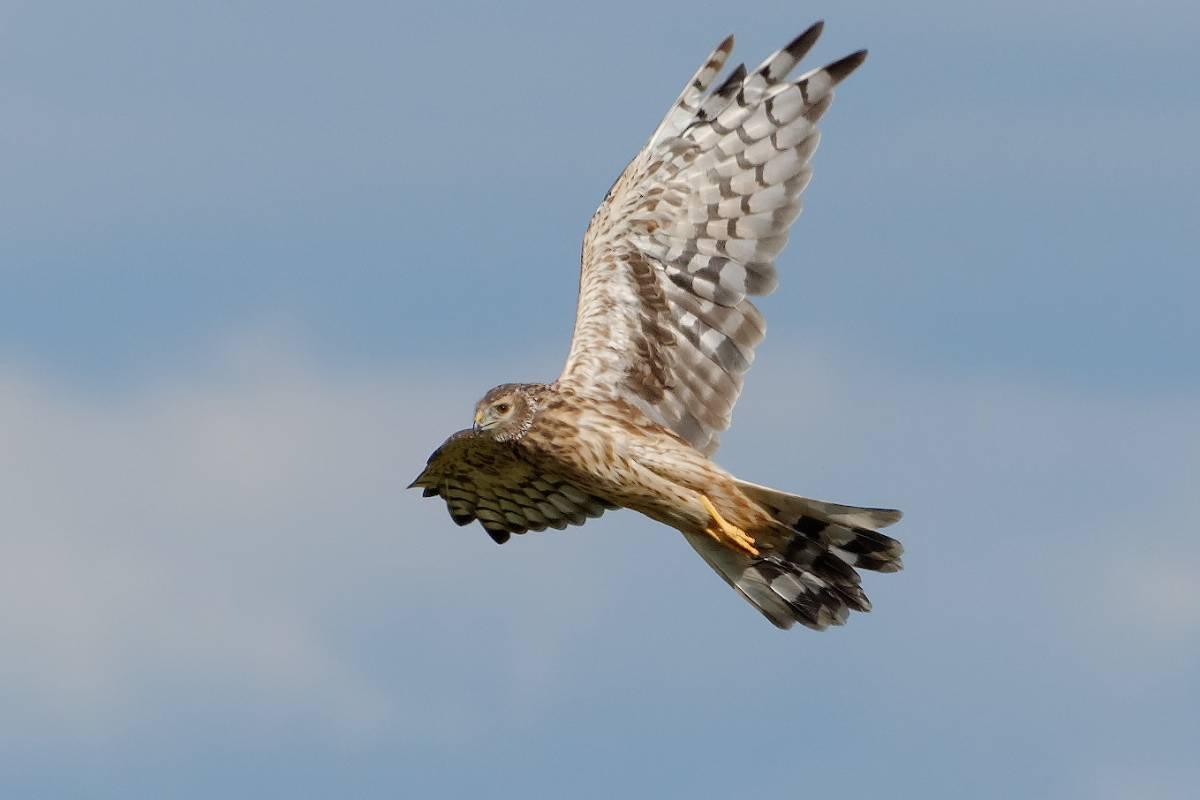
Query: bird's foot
column 726, row 532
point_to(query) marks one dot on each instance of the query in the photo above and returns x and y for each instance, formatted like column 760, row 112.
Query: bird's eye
column 503, row 407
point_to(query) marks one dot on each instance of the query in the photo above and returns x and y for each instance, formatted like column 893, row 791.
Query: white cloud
column 237, row 533
column 1080, row 501
column 179, row 531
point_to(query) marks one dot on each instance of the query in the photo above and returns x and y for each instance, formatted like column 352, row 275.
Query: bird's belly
column 630, row 462
column 651, row 483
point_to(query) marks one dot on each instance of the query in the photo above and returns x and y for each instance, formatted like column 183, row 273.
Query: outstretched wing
column 483, row 479
column 688, row 231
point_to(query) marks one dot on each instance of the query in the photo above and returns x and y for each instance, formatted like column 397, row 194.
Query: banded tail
column 809, row 576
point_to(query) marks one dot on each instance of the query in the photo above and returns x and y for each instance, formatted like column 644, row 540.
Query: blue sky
column 256, row 260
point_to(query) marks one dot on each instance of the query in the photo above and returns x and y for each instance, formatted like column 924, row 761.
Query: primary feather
column 690, row 229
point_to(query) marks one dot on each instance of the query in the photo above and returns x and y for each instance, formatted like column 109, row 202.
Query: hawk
column 664, row 334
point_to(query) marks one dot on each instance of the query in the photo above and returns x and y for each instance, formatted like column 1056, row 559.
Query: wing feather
column 482, row 479
column 689, row 231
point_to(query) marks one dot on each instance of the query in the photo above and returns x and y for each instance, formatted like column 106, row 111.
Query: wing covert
column 482, row 479
column 689, row 230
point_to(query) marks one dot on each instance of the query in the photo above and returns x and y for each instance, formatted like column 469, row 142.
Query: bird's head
column 506, row 412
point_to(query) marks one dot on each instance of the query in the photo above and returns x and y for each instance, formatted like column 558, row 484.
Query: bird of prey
column 664, row 333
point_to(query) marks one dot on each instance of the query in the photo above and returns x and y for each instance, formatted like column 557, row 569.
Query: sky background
column 258, row 259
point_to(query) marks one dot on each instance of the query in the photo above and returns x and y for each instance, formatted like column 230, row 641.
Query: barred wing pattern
column 483, row 479
column 688, row 231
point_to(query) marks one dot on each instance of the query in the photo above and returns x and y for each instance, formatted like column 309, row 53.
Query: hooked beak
column 478, row 426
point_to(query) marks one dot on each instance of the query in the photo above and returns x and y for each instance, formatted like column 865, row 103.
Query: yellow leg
column 728, row 532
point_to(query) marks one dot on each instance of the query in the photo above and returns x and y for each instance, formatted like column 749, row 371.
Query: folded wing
column 689, row 230
column 482, row 479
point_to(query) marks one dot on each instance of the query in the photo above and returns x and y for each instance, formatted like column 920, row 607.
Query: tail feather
column 809, row 573
column 789, row 508
column 845, row 531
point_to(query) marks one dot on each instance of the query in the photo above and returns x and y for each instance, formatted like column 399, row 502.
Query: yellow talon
column 726, row 530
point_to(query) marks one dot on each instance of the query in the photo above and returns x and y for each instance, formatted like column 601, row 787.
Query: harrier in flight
column 664, row 333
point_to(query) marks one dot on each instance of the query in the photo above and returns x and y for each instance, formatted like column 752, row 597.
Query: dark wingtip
column 499, row 537
column 799, row 47
column 429, row 491
column 462, row 519
column 733, row 81
column 841, row 68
